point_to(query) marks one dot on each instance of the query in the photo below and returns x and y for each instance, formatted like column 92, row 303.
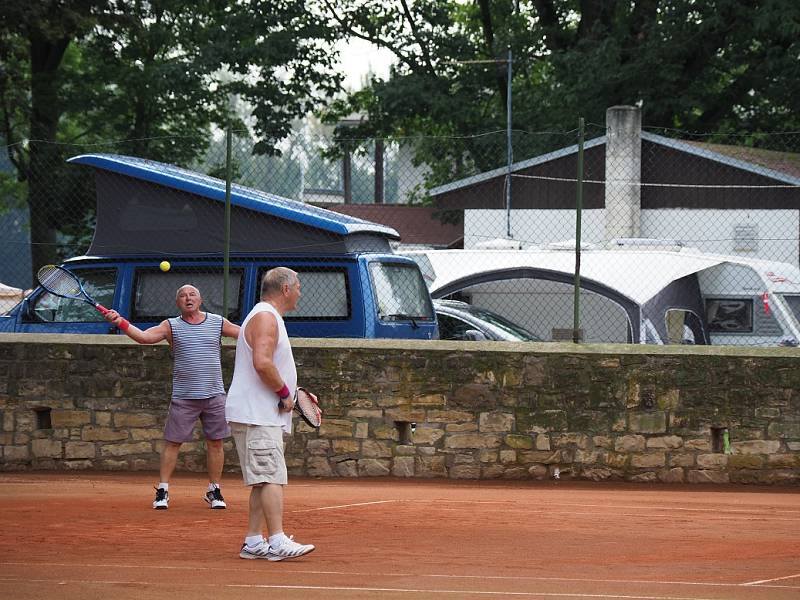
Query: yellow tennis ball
column 164, row 266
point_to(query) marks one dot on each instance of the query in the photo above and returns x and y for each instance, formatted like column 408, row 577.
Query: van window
column 98, row 283
column 154, row 291
column 325, row 294
column 729, row 315
column 400, row 291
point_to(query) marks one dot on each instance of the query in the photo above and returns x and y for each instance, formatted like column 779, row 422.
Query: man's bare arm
column 153, row 335
column 262, row 336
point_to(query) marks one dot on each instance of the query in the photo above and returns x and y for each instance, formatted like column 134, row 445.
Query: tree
column 159, row 74
column 719, row 66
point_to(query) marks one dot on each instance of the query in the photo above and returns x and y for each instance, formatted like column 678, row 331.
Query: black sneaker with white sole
column 215, row 499
column 162, row 499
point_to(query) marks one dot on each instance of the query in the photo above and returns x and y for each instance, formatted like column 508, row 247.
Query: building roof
column 783, row 167
column 417, row 225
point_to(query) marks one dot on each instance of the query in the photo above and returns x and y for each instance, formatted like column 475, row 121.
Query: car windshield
column 400, row 291
column 504, row 325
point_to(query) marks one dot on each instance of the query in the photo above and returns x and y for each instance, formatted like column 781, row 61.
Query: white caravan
column 643, row 291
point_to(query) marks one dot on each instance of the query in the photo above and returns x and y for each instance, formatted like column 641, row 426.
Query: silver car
column 462, row 321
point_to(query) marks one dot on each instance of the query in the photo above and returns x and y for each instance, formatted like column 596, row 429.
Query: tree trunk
column 45, row 157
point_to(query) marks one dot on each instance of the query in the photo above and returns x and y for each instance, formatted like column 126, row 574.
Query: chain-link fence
column 668, row 238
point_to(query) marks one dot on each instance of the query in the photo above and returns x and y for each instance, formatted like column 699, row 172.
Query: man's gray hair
column 185, row 285
column 274, row 279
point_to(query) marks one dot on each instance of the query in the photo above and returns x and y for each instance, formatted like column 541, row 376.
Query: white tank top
column 249, row 399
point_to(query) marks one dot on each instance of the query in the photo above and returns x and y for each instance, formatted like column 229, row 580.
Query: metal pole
column 227, row 249
column 576, row 316
column 509, row 148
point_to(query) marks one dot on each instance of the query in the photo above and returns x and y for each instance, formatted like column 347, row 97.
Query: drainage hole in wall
column 43, row 417
column 405, row 431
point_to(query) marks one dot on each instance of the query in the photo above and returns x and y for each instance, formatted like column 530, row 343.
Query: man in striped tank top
column 197, row 388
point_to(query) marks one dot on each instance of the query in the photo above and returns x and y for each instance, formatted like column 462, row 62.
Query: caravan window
column 794, row 305
column 325, row 294
column 98, row 283
column 154, row 291
column 729, row 315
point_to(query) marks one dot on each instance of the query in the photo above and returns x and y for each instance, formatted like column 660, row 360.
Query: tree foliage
column 714, row 67
column 158, row 74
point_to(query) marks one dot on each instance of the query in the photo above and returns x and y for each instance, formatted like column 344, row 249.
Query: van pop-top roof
column 146, row 207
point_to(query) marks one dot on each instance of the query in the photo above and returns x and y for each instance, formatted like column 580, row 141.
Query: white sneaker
column 162, row 499
column 215, row 499
column 288, row 548
column 261, row 550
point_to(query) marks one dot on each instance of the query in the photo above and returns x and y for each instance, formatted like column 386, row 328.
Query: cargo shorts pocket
column 263, row 456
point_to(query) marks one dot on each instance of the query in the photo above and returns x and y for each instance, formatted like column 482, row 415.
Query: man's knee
column 214, row 444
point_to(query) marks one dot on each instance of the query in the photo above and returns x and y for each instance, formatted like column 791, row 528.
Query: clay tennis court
column 94, row 535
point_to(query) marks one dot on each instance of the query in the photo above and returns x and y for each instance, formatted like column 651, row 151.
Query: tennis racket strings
column 59, row 281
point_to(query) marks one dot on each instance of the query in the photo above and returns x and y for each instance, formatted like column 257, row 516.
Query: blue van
column 353, row 285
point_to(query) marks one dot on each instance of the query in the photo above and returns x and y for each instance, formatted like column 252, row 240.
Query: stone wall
column 476, row 410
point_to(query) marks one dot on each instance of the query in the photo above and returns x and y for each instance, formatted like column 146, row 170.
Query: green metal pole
column 576, row 316
column 227, row 250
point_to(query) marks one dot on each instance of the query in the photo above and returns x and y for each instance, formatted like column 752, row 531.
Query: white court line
column 343, row 506
column 773, row 579
column 400, row 574
column 354, row 589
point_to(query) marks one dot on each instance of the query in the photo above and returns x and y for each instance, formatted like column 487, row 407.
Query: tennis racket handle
column 103, row 310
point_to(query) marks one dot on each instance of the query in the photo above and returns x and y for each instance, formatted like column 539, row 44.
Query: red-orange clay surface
column 95, row 535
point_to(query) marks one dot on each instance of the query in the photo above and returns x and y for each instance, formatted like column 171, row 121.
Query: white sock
column 253, row 540
column 163, row 486
column 212, row 486
column 275, row 540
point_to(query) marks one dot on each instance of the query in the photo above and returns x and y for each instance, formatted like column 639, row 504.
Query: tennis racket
column 60, row 282
column 307, row 405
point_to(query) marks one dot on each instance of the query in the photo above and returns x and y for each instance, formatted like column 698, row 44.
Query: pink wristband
column 283, row 392
column 123, row 325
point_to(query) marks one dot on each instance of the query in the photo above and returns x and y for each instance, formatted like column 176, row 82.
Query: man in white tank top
column 259, row 410
column 197, row 388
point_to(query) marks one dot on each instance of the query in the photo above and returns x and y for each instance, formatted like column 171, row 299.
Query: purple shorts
column 183, row 415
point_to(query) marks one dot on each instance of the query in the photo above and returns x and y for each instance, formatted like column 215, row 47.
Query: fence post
column 227, row 248
column 576, row 303
column 509, row 146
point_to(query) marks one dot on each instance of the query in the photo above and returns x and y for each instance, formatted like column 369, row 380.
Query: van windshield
column 400, row 292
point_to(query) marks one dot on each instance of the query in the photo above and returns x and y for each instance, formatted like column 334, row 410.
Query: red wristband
column 123, row 325
column 283, row 392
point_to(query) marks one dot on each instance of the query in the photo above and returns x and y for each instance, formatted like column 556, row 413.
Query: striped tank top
column 196, row 370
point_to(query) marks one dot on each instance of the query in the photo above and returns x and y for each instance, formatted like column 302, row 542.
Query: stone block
column 362, row 430
column 665, row 442
column 404, row 450
column 427, row 436
column 756, row 447
column 538, row 472
column 492, row 471
column 784, row 429
column 375, row 449
column 16, row 454
column 487, row 456
column 700, row 444
column 572, row 439
column 122, row 420
column 694, row 476
column 429, row 400
column 630, row 443
column 317, row 466
column 102, row 418
column 547, row 458
column 508, row 457
column 102, row 434
column 472, row 440
column 744, row 461
column 647, row 461
column 597, row 473
column 403, row 466
column 586, row 457
column 449, row 416
column 347, row 468
column 320, row 447
column 465, row 472
column 460, row 427
column 79, row 450
column 788, row 461
column 69, row 418
column 523, row 442
column 673, row 475
column 681, row 459
column 712, row 461
column 78, row 465
column 110, row 450
column 542, row 442
column 138, row 434
column 647, row 422
column 373, row 467
column 495, row 422
column 45, row 448
column 431, row 466
column 335, row 428
column 365, row 413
